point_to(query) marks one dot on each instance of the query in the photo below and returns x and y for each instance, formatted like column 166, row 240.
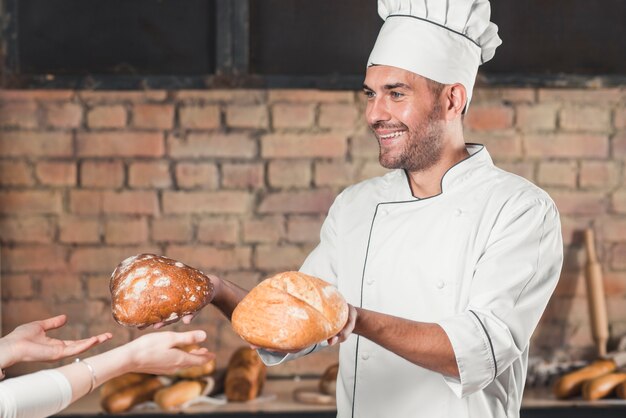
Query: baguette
column 132, row 395
column 195, row 372
column 118, row 383
column 571, row 384
column 602, row 386
column 180, row 392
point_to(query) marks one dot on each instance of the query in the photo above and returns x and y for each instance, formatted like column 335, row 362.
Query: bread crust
column 148, row 288
column 571, row 384
column 290, row 311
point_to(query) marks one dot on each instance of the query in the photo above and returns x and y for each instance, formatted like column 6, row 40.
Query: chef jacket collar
column 454, row 177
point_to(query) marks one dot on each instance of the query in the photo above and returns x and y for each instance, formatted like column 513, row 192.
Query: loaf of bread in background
column 148, row 288
column 290, row 311
column 194, row 372
column 603, row 386
column 245, row 375
column 129, row 396
column 118, row 383
column 571, row 384
column 180, row 392
column 328, row 381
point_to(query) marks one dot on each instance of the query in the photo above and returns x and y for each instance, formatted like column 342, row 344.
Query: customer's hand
column 157, row 353
column 29, row 342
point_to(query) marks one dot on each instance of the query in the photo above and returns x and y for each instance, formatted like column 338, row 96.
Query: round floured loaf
column 290, row 311
column 148, row 288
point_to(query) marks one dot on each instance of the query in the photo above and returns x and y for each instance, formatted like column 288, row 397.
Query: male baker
column 447, row 262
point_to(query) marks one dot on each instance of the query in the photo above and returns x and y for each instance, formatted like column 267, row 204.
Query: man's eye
column 368, row 94
column 396, row 95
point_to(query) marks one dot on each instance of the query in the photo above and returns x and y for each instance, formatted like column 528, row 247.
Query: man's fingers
column 189, row 337
column 188, row 318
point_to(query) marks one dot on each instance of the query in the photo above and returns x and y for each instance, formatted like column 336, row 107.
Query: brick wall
column 238, row 182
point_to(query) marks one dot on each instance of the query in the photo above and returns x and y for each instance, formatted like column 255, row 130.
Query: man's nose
column 377, row 111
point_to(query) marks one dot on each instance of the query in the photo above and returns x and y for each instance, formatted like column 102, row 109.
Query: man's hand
column 347, row 329
column 29, row 342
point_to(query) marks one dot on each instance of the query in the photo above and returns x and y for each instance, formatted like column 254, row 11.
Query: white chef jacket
column 481, row 259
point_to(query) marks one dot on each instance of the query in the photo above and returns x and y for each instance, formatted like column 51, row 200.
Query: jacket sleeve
column 321, row 262
column 34, row 395
column 512, row 283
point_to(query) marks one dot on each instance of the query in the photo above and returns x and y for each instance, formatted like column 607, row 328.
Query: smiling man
column 447, row 262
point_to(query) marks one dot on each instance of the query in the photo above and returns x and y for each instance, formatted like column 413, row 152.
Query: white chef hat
column 444, row 41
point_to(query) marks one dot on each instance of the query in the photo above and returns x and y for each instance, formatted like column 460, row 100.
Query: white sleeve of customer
column 39, row 394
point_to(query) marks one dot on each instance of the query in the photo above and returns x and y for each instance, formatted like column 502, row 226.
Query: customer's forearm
column 227, row 295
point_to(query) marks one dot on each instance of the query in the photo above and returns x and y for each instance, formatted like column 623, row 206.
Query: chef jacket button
column 458, row 212
column 384, row 212
column 365, row 356
column 369, row 281
column 440, row 284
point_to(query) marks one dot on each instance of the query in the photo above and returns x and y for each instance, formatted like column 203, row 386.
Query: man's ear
column 456, row 99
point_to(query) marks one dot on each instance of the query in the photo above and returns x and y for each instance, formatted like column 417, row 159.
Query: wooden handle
column 595, row 296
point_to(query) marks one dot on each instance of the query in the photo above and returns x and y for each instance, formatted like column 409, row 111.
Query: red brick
column 567, row 146
column 36, row 144
column 196, row 176
column 120, row 144
column 523, row 169
column 172, row 229
column 242, row 176
column 539, row 117
column 107, row 117
column 599, row 174
column 19, row 312
column 619, row 120
column 199, row 117
column 61, row 287
column 579, row 203
column 613, row 229
column 286, row 173
column 309, row 95
column 98, row 286
column 614, row 284
column 150, row 175
column 619, row 146
column 585, row 119
column 250, row 116
column 338, row 115
column 334, row 173
column 56, row 173
column 364, row 145
column 619, row 201
column 505, row 95
column 269, row 229
column 126, row 231
column 75, row 230
column 218, row 231
column 227, row 202
column 618, row 257
column 17, row 286
column 303, row 146
column 92, row 97
column 131, row 203
column 293, row 115
column 18, row 115
column 244, row 279
column 209, row 258
column 489, row 118
column 103, row 259
column 153, row 116
column 612, row 95
column 212, row 146
column 30, row 202
column 102, row 174
column 570, row 285
column 562, row 173
column 370, row 170
column 272, row 258
column 304, row 229
column 34, row 258
column 222, row 96
column 64, row 115
column 571, row 230
column 15, row 173
column 309, row 201
column 26, row 229
column 507, row 145
column 34, row 95
column 86, row 202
